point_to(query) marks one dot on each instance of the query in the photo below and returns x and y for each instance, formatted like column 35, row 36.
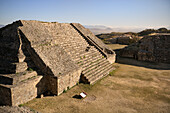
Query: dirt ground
column 116, row 46
column 131, row 89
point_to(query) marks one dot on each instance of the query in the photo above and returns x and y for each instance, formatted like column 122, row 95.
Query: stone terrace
column 62, row 53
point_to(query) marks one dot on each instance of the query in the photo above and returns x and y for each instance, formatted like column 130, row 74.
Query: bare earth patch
column 116, row 46
column 131, row 89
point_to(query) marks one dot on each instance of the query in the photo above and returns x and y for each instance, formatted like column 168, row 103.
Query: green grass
column 112, row 73
column 20, row 105
column 45, row 44
column 30, row 69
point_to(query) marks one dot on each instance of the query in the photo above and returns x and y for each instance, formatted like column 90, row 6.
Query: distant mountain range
column 1, row 26
column 98, row 29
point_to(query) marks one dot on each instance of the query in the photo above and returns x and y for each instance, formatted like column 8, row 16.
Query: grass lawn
column 116, row 46
column 131, row 89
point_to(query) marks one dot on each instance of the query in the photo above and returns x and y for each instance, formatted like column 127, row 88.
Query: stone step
column 9, row 58
column 74, row 43
column 9, row 45
column 70, row 39
column 6, row 71
column 95, row 67
column 13, row 67
column 76, row 48
column 21, row 92
column 20, row 67
column 99, row 71
column 85, row 56
column 7, row 64
column 89, row 58
column 93, row 80
column 72, row 52
column 78, row 54
column 21, row 56
column 99, row 68
column 92, row 62
column 16, row 78
column 4, row 51
column 89, row 61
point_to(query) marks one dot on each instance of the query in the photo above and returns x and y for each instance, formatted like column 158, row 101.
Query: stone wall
column 67, row 81
column 155, row 48
column 5, row 95
column 89, row 34
column 19, row 93
column 25, row 92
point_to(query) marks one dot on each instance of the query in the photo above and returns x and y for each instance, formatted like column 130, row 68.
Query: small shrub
column 111, row 73
column 64, row 91
column 21, row 105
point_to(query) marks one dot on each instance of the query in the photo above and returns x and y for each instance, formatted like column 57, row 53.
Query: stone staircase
column 14, row 64
column 16, row 74
column 94, row 64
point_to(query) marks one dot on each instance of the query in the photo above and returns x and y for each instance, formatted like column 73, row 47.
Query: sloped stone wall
column 43, row 43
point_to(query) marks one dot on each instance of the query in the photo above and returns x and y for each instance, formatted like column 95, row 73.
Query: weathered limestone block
column 111, row 58
column 19, row 93
column 67, row 81
column 11, row 79
column 21, row 66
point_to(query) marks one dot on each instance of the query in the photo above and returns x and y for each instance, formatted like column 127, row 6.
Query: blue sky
column 114, row 13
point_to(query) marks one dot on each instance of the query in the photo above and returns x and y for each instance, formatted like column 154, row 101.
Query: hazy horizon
column 132, row 15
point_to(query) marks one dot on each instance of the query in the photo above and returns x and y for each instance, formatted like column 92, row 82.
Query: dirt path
column 132, row 89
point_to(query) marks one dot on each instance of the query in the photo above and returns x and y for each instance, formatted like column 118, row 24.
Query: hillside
column 128, row 37
column 1, row 26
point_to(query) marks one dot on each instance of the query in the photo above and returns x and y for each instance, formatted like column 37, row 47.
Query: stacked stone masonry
column 154, row 48
column 38, row 57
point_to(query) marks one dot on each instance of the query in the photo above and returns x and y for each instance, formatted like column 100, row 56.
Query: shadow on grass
column 77, row 97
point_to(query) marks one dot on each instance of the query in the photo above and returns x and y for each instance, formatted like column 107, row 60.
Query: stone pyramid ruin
column 36, row 57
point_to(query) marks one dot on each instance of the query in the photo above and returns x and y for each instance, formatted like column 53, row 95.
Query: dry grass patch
column 116, row 46
column 130, row 89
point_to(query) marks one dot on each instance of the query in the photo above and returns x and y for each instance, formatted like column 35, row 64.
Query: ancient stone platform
column 154, row 48
column 37, row 57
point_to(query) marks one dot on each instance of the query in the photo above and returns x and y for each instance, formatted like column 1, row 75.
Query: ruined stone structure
column 154, row 48
column 36, row 57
